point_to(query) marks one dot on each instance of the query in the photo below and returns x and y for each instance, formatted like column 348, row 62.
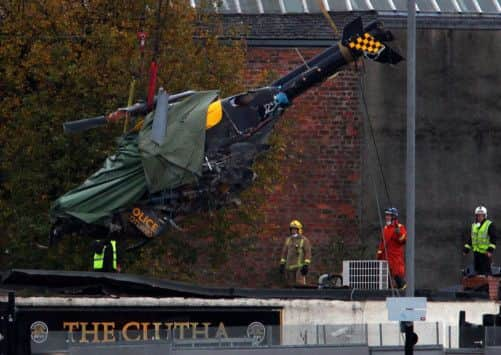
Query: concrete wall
column 457, row 144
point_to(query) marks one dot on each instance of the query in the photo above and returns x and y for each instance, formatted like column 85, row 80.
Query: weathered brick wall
column 321, row 178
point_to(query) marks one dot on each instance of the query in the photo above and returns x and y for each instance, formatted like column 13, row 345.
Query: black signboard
column 147, row 221
column 51, row 330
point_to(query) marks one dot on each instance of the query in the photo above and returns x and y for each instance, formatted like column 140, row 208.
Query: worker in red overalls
column 392, row 248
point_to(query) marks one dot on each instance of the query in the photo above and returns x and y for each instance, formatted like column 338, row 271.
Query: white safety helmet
column 481, row 210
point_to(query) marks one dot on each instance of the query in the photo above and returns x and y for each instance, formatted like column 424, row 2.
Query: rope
column 328, row 17
column 302, row 58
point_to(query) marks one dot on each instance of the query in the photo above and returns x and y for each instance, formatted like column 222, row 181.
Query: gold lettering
column 181, row 326
column 221, row 331
column 204, row 332
column 136, row 331
column 71, row 326
column 108, row 332
column 126, row 328
column 95, row 339
column 157, row 330
column 136, row 212
column 169, row 327
column 145, row 330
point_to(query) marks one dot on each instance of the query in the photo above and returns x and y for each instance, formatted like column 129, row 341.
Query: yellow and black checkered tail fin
column 370, row 41
column 367, row 44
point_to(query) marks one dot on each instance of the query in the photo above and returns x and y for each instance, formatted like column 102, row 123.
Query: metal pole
column 411, row 144
column 12, row 337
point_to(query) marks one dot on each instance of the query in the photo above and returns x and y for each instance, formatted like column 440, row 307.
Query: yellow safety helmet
column 296, row 224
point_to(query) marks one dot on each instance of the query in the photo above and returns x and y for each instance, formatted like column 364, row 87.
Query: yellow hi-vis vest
column 99, row 257
column 480, row 240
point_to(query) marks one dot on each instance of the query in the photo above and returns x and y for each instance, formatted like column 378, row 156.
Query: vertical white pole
column 411, row 145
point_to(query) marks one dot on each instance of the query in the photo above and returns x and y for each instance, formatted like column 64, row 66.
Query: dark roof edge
column 312, row 30
column 453, row 22
column 75, row 283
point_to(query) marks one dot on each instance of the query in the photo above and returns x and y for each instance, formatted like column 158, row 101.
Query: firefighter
column 392, row 247
column 482, row 240
column 105, row 255
column 296, row 255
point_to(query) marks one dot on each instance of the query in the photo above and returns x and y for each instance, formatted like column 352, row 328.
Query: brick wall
column 321, row 170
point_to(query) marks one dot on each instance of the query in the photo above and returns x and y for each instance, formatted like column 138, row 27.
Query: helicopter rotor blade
column 134, row 110
column 159, row 126
column 84, row 125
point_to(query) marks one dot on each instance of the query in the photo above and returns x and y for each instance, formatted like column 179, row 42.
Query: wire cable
column 371, row 177
column 373, row 136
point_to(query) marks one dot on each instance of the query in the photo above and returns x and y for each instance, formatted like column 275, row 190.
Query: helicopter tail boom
column 356, row 41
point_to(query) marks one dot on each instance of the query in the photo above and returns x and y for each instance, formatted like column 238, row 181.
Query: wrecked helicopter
column 195, row 149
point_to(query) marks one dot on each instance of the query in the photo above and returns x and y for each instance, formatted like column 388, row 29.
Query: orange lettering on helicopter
column 144, row 222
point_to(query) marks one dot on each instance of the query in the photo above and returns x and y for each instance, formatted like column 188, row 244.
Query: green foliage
column 63, row 60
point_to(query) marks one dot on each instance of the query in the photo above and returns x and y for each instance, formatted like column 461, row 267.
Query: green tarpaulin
column 179, row 160
column 141, row 166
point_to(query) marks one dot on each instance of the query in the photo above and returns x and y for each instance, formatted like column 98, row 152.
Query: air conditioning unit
column 365, row 274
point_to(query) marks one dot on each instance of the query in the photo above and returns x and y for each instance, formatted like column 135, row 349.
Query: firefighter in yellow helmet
column 296, row 255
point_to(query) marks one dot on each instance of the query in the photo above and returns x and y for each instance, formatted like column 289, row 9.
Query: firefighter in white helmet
column 296, row 255
column 482, row 240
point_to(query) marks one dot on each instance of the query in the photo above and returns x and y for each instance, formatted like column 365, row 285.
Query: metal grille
column 366, row 274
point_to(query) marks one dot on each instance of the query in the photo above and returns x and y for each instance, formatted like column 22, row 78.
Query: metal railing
column 311, row 6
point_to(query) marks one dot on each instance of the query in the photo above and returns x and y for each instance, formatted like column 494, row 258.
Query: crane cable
column 366, row 111
column 141, row 37
column 370, row 127
column 366, row 116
